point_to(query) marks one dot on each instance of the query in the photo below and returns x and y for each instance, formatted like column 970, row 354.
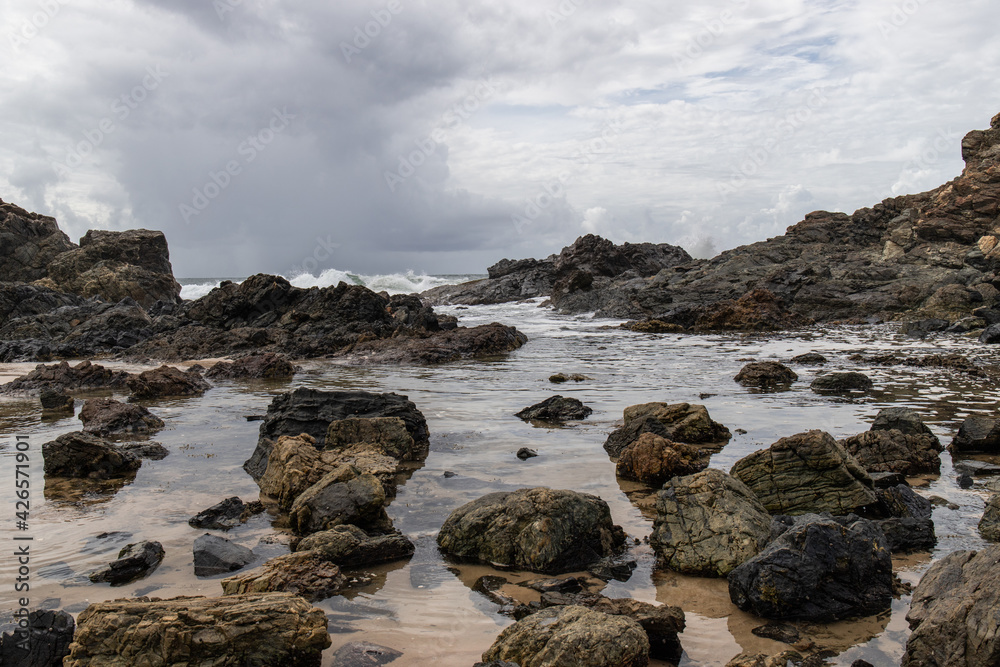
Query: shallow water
column 426, row 606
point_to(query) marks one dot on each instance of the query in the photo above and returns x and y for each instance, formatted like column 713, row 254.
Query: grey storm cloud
column 403, row 134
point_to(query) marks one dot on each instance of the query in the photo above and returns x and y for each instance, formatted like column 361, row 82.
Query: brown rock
column 653, row 460
column 166, row 381
column 305, row 573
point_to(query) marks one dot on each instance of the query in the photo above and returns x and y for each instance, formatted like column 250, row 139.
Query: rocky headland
column 927, row 256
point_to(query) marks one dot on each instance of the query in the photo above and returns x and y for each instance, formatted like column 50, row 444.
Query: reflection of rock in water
column 84, row 491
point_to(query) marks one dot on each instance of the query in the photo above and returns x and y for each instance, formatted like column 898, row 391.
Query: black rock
column 225, row 515
column 977, row 434
column 766, row 374
column 146, row 450
column 779, row 632
column 920, row 328
column 363, row 654
column 56, row 401
column 217, row 555
column 555, row 409
column 885, row 480
column 84, row 455
column 965, row 481
column 524, row 453
column 990, row 335
column 49, row 634
column 135, row 561
column 809, row 358
column 839, row 383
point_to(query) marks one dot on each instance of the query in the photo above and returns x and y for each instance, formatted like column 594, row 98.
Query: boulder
column 989, row 525
column 342, row 496
column 653, row 460
column 257, row 630
column 555, row 409
column 841, row 383
column 227, row 514
column 818, row 571
column 84, row 455
column 115, row 265
column 539, row 529
column 910, row 528
column 311, row 411
column 895, row 451
column 572, row 635
column 661, row 623
column 266, row 366
column 55, row 401
column 217, row 555
column 48, row 634
column 707, row 524
column 977, row 434
column 166, row 381
column 134, row 561
column 766, row 374
column 679, row 422
column 808, row 473
column 304, row 573
column 901, row 419
column 953, row 612
column 349, row 546
column 990, row 335
column 106, row 416
column 62, row 377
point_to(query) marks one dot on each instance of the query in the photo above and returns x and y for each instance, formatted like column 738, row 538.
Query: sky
column 440, row 136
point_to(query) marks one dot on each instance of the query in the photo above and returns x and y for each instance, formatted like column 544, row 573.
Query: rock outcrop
column 233, row 631
column 895, row 451
column 708, row 524
column 539, row 529
column 977, row 435
column 267, row 366
column 953, row 612
column 63, row 377
column 28, row 242
column 679, row 422
column 808, row 473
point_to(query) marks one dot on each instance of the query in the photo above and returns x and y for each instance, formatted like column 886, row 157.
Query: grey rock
column 364, row 654
column 217, row 555
column 134, row 561
column 977, row 434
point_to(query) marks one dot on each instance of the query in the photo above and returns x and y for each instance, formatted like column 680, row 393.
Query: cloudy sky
column 441, row 135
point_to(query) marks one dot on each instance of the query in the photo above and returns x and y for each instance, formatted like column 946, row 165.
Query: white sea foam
column 393, row 283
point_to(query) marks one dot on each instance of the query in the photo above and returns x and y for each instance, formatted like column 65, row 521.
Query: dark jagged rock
column 653, row 460
column 766, row 374
column 349, row 546
column 63, row 377
column 977, row 434
column 304, row 573
column 953, row 612
column 44, row 643
column 55, row 401
column 115, row 265
column 757, row 310
column 487, row 340
column 910, row 528
column 679, row 422
column 267, row 366
column 106, row 416
column 556, row 409
column 230, row 513
column 707, row 524
column 166, row 381
column 526, row 453
column 217, row 555
column 572, row 635
column 135, row 561
column 809, row 473
column 84, row 455
column 540, row 529
column 819, row 571
column 28, row 242
column 245, row 630
column 841, row 383
column 311, row 411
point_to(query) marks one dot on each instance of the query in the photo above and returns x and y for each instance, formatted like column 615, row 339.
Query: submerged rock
column 653, row 460
column 134, row 561
column 841, row 383
column 540, row 529
column 80, row 454
column 166, row 381
column 106, row 416
column 304, row 573
column 572, row 635
column 707, row 524
column 679, row 422
column 953, row 612
column 257, row 630
column 808, row 473
column 819, row 571
column 266, row 366
column 556, row 409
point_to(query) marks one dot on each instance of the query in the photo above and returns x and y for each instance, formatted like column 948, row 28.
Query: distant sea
column 393, row 283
